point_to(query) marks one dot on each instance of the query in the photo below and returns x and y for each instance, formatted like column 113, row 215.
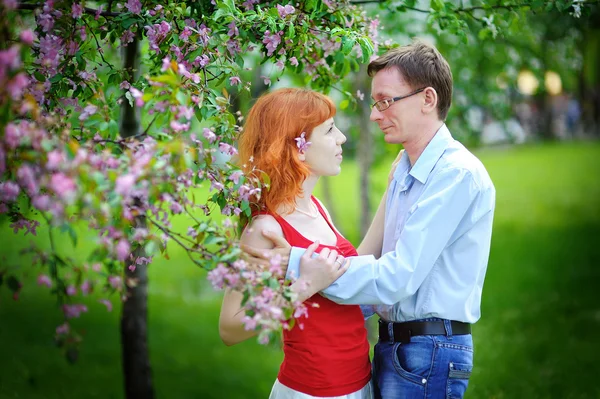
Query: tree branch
column 87, row 10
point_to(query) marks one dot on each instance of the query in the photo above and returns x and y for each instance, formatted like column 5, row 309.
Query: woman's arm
column 231, row 328
column 372, row 243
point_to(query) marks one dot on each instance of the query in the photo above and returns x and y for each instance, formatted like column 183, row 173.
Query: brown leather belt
column 403, row 331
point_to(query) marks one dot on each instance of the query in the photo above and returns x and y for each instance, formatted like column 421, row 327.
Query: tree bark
column 134, row 314
column 364, row 156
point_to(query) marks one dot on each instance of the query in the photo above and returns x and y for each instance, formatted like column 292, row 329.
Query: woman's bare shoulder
column 252, row 235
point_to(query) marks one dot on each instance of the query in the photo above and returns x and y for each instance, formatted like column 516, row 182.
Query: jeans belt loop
column 390, row 328
column 448, row 327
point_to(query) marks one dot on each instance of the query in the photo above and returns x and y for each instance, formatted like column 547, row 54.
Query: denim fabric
column 430, row 366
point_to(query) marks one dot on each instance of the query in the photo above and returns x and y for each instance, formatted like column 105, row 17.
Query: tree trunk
column 134, row 315
column 328, row 199
column 364, row 156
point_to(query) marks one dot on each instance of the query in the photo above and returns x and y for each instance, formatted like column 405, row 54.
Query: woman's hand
column 318, row 273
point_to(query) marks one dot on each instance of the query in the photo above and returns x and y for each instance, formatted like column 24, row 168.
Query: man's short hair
column 421, row 65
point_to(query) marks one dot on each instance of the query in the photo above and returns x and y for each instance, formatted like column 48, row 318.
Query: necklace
column 309, row 214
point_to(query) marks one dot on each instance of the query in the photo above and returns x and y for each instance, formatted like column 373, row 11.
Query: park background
column 526, row 102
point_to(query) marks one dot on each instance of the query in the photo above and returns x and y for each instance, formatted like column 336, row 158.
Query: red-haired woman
column 290, row 134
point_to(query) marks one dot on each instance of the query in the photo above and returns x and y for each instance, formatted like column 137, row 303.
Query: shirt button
column 424, row 381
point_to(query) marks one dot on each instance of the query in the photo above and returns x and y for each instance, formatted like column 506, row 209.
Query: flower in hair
column 302, row 143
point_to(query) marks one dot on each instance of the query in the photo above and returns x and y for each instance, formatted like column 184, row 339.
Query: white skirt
column 280, row 391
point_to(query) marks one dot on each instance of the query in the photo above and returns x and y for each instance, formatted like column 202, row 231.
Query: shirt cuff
column 293, row 269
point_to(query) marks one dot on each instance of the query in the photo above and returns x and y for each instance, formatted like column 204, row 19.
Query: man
column 438, row 222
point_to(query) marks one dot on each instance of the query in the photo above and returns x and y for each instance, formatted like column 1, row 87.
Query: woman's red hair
column 275, row 120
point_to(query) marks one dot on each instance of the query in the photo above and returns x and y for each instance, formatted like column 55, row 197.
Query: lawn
column 536, row 338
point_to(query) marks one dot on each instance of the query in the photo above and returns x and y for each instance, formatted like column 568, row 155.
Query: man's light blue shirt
column 438, row 228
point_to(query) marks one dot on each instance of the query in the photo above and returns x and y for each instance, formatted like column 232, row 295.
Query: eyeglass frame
column 392, row 100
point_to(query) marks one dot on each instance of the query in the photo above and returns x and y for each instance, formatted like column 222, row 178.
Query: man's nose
column 375, row 114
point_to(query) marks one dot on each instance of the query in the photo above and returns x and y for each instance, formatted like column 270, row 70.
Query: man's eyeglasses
column 382, row 105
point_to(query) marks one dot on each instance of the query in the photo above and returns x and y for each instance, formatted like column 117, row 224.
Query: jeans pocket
column 414, row 360
column 458, row 380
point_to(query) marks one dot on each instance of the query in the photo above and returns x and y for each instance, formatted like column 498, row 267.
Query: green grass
column 536, row 338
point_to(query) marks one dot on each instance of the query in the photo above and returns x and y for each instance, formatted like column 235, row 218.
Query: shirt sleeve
column 431, row 224
column 293, row 270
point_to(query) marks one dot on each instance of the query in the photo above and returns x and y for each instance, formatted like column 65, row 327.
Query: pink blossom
column 125, row 85
column 26, row 178
column 217, row 275
column 209, row 135
column 44, row 280
column 227, row 149
column 127, row 37
column 115, row 282
column 12, row 135
column 235, row 176
column 71, row 290
column 266, row 80
column 63, row 186
column 134, row 6
column 360, row 95
column 123, row 249
column 301, row 142
column 27, row 37
column 9, row 191
column 17, row 85
column 106, row 303
column 55, row 159
column 250, row 323
column 285, row 11
column 294, row 61
column 176, row 208
column 166, row 64
column 179, row 127
column 74, row 311
column 41, row 202
column 137, row 95
column 185, row 34
column 76, row 10
column 86, row 286
column 88, row 111
column 234, row 81
column 124, row 184
column 27, row 224
column 10, row 58
column 271, row 41
column 63, row 329
column 201, row 61
column 233, row 30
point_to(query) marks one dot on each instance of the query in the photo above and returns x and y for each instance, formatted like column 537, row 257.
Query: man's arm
column 431, row 226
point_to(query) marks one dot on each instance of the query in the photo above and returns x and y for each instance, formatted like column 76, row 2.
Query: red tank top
column 329, row 356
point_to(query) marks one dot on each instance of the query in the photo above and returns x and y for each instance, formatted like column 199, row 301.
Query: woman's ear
column 302, row 156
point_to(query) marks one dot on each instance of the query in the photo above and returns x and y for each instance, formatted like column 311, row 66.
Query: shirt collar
column 432, row 153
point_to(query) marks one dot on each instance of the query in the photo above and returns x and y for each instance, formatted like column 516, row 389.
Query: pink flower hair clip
column 302, row 143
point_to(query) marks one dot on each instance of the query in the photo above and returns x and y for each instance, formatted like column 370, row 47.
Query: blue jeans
column 429, row 366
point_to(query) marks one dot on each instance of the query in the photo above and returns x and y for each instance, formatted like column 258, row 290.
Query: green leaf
column 66, row 227
column 347, row 44
column 344, row 104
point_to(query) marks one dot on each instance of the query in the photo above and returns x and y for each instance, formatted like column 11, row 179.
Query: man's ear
column 430, row 101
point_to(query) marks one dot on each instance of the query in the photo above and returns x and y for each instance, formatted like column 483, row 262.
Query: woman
column 290, row 134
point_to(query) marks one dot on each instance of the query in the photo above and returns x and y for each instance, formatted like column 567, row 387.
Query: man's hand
column 318, row 273
column 262, row 257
